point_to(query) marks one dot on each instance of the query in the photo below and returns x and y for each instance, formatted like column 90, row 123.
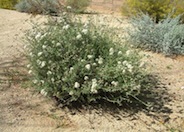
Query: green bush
column 8, row 4
column 157, row 9
column 84, row 62
column 167, row 36
column 179, row 4
column 78, row 6
column 51, row 7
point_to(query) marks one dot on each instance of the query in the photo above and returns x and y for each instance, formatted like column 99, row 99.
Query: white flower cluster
column 71, row 93
column 66, row 27
column 30, row 71
column 114, row 83
column 90, row 56
column 69, row 7
column 99, row 60
column 85, row 31
column 94, row 86
column 42, row 81
column 41, row 64
column 64, row 13
column 86, row 78
column 38, row 36
column 142, row 64
column 31, row 54
column 128, row 65
column 86, row 24
column 35, row 81
column 40, row 53
column 30, row 68
column 43, row 92
column 82, row 60
column 137, row 87
column 44, row 46
column 52, row 79
column 71, row 69
column 58, row 44
column 125, row 65
column 79, row 36
column 88, row 66
column 111, row 51
column 49, row 72
column 128, row 52
column 76, row 85
column 120, row 52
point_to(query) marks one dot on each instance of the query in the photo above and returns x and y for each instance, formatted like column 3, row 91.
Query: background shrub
column 179, row 4
column 157, row 9
column 173, row 42
column 84, row 62
column 8, row 4
column 78, row 6
column 51, row 7
column 165, row 36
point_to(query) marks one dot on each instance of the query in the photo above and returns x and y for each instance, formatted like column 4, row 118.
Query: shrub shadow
column 12, row 71
column 156, row 96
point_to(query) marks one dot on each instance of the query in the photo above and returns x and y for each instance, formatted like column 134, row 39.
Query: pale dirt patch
column 22, row 110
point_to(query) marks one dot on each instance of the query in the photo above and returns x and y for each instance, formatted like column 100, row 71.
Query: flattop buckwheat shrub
column 82, row 62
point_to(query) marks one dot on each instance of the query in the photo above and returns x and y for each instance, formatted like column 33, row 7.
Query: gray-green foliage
column 174, row 41
column 165, row 36
column 84, row 62
column 51, row 7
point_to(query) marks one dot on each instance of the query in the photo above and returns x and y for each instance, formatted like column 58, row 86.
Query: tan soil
column 22, row 110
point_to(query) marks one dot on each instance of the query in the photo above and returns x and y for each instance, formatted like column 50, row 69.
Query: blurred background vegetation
column 157, row 9
column 8, row 4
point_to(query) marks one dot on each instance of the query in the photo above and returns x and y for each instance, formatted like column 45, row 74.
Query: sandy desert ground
column 23, row 110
